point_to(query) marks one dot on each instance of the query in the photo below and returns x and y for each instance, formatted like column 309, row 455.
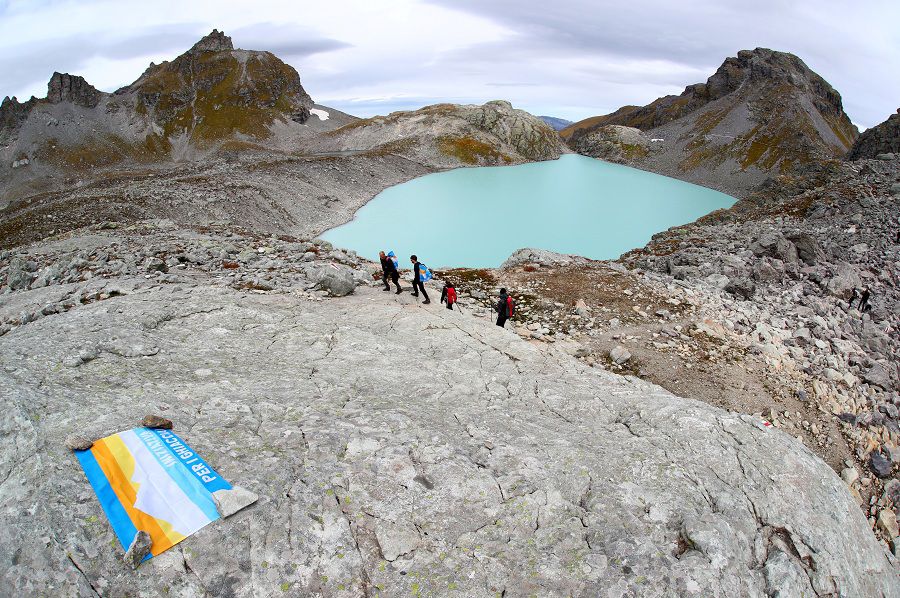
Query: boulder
column 74, row 442
column 228, row 502
column 18, row 275
column 774, row 244
column 764, row 271
column 808, row 249
column 619, row 354
column 887, row 524
column 880, row 464
column 540, row 257
column 743, row 288
column 843, row 281
column 878, row 376
column 156, row 421
column 337, row 280
column 139, row 548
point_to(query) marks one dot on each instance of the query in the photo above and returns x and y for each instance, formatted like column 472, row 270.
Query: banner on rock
column 151, row 480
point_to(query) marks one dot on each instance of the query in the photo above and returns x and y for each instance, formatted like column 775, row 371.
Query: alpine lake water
column 477, row 217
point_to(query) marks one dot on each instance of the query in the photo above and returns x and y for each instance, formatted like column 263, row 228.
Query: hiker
column 853, row 297
column 505, row 308
column 420, row 275
column 448, row 295
column 389, row 268
column 864, row 300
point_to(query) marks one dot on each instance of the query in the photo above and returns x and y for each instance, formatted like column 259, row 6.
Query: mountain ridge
column 761, row 112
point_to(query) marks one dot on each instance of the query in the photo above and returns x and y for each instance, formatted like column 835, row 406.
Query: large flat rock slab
column 404, row 450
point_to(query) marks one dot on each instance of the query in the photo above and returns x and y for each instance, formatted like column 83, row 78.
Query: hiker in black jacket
column 502, row 308
column 417, row 283
column 390, row 271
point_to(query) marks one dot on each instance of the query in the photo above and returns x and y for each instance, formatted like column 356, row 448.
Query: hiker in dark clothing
column 417, row 282
column 390, row 271
column 448, row 295
column 853, row 297
column 864, row 301
column 502, row 308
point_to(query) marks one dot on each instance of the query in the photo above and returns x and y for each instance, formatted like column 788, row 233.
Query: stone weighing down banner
column 150, row 480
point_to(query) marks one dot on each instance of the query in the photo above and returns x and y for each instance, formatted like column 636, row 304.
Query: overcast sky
column 568, row 58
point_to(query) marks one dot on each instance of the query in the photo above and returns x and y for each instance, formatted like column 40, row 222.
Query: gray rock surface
column 493, row 466
column 229, row 502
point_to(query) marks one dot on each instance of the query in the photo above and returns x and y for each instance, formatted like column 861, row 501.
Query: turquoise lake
column 477, row 217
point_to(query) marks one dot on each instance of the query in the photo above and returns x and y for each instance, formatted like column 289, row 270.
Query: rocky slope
column 209, row 96
column 880, row 139
column 490, row 466
column 761, row 113
column 446, row 135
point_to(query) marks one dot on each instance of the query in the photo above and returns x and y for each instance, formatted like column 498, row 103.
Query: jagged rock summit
column 216, row 41
column 761, row 112
column 64, row 87
column 880, row 139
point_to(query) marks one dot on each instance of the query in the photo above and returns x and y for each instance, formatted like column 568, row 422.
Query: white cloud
column 572, row 58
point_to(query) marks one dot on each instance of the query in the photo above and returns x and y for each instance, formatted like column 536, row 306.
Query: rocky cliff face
column 213, row 91
column 64, row 87
column 494, row 466
column 761, row 112
column 881, row 139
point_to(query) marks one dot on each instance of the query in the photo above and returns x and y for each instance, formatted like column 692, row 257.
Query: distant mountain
column 445, row 135
column 558, row 124
column 762, row 112
column 880, row 139
column 216, row 99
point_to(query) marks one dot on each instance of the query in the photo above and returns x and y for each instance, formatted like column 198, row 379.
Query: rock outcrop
column 492, row 466
column 448, row 135
column 880, row 139
column 64, row 87
column 762, row 112
column 613, row 143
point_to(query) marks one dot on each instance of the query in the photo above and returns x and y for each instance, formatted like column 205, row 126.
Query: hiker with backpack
column 448, row 295
column 421, row 275
column 505, row 308
column 390, row 270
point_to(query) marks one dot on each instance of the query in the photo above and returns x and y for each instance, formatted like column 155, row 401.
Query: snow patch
column 322, row 114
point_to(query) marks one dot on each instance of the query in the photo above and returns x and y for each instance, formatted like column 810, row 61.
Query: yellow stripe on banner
column 126, row 460
column 118, row 465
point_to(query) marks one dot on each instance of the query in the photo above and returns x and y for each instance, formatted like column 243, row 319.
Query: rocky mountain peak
column 64, row 87
column 762, row 111
column 216, row 41
column 880, row 139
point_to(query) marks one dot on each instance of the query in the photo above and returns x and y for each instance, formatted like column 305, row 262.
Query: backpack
column 394, row 259
column 424, row 273
column 510, row 306
column 451, row 295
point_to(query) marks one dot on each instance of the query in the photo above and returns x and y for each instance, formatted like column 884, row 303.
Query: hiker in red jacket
column 504, row 308
column 448, row 295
